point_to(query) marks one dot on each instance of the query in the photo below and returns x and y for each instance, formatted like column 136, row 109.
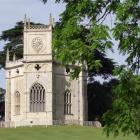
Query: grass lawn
column 57, row 133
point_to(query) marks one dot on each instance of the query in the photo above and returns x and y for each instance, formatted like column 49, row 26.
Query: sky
column 12, row 11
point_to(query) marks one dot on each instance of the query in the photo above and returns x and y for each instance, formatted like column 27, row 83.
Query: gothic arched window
column 67, row 102
column 17, row 103
column 37, row 98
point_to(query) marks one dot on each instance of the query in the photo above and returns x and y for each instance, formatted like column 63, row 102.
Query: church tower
column 38, row 69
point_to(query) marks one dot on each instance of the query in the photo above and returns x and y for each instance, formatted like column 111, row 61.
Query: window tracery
column 67, row 103
column 37, row 98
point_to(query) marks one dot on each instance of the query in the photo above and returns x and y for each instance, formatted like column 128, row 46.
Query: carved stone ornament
column 37, row 67
column 37, row 44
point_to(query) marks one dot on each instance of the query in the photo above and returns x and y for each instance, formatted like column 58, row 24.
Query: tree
column 125, row 112
column 100, row 97
column 81, row 32
column 12, row 37
column 126, row 31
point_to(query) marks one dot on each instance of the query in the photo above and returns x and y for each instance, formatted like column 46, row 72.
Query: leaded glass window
column 37, row 98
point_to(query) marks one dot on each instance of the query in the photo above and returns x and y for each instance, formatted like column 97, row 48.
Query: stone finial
column 53, row 22
column 29, row 23
column 14, row 57
column 25, row 20
column 50, row 19
column 7, row 55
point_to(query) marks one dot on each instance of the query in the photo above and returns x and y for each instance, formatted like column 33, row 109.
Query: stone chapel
column 38, row 88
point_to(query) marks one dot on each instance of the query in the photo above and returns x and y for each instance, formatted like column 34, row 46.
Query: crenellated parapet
column 38, row 28
column 14, row 64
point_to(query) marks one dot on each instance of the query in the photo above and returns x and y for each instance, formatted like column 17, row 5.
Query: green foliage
column 106, row 66
column 75, row 47
column 127, row 30
column 81, row 33
column 124, row 115
column 12, row 37
column 78, row 35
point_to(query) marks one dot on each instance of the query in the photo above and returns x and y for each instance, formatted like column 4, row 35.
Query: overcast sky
column 12, row 11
